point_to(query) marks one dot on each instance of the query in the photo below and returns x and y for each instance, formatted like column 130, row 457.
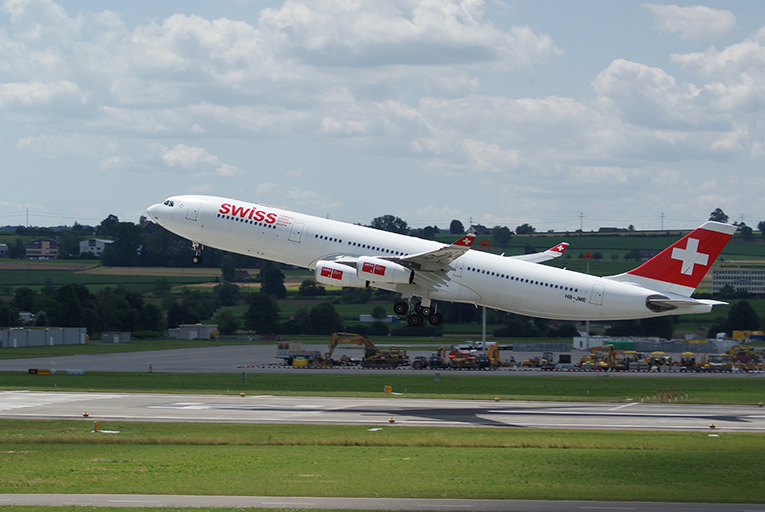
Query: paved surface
column 262, row 358
column 378, row 411
column 148, row 500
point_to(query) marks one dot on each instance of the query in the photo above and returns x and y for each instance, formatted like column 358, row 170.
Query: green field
column 289, row 460
column 716, row 389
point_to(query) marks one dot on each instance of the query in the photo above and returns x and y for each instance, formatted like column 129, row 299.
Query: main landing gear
column 420, row 313
column 197, row 258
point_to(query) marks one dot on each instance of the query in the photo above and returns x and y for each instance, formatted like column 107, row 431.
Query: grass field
column 295, row 460
column 464, row 385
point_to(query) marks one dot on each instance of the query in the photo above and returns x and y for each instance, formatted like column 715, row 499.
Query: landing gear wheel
column 436, row 319
column 400, row 308
column 196, row 259
column 426, row 311
column 415, row 320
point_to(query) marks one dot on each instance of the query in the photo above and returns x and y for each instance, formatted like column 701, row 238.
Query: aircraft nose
column 153, row 211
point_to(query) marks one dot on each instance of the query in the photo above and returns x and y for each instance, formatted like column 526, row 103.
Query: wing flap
column 439, row 259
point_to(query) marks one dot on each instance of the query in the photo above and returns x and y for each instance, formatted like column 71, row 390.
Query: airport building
column 43, row 248
column 94, row 245
column 751, row 279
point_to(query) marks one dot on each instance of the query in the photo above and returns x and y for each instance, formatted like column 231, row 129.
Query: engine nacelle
column 383, row 271
column 337, row 274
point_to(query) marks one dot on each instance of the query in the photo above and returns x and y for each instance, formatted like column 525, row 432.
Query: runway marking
column 290, row 503
column 623, row 406
column 607, row 508
column 136, row 501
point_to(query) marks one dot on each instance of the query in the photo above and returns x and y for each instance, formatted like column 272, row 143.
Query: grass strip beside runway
column 297, row 460
column 708, row 389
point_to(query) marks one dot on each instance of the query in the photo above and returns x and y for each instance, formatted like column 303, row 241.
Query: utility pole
column 662, row 221
column 581, row 221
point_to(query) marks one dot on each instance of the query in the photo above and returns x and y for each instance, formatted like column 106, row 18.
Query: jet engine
column 383, row 271
column 336, row 274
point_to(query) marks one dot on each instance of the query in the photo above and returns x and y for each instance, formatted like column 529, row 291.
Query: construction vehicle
column 744, row 358
column 373, row 356
column 658, row 358
column 295, row 355
column 600, row 358
column 548, row 361
column 461, row 358
column 420, row 362
column 629, row 360
column 493, row 354
column 439, row 359
column 716, row 362
column 688, row 361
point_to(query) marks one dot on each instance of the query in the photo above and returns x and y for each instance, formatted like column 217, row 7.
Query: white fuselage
column 475, row 277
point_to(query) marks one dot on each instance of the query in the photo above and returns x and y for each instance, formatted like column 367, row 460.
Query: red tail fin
column 681, row 266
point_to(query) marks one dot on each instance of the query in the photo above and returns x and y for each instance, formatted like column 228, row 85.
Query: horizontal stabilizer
column 660, row 303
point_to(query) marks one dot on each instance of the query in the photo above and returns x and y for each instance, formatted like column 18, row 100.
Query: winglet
column 466, row 241
column 559, row 249
column 538, row 257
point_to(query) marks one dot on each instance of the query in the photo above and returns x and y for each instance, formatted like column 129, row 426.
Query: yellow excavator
column 373, row 356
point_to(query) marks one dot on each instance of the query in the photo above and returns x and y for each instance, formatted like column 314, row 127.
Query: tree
column 308, row 288
column 501, row 235
column 227, row 322
column 741, row 317
column 761, row 228
column 525, row 229
column 390, row 223
column 746, row 231
column 70, row 243
column 718, row 216
column 227, row 293
column 228, row 268
column 127, row 243
column 430, row 232
column 324, row 319
column 25, row 299
column 378, row 312
column 262, row 315
column 273, row 283
column 456, row 228
column 17, row 249
column 106, row 226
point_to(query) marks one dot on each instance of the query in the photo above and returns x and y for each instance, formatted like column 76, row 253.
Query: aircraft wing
column 439, row 259
column 539, row 257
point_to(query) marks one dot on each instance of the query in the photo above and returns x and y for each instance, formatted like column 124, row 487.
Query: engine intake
column 379, row 270
column 337, row 274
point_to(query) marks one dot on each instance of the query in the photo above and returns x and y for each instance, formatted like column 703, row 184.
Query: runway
column 293, row 502
column 379, row 411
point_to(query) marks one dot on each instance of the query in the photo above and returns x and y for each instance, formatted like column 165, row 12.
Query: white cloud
column 39, row 94
column 695, row 23
column 369, row 33
column 196, row 159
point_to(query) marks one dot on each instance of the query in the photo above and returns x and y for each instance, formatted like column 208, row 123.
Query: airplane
column 425, row 271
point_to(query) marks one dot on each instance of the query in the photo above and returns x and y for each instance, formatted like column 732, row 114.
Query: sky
column 560, row 114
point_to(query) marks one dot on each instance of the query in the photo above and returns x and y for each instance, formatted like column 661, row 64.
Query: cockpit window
column 169, row 203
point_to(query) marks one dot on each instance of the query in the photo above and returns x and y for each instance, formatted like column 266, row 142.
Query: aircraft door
column 596, row 297
column 297, row 232
column 458, row 264
column 193, row 211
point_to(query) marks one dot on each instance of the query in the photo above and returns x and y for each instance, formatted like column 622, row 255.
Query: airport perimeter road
column 150, row 500
column 378, row 411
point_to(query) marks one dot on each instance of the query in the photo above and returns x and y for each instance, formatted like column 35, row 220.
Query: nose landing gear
column 197, row 258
